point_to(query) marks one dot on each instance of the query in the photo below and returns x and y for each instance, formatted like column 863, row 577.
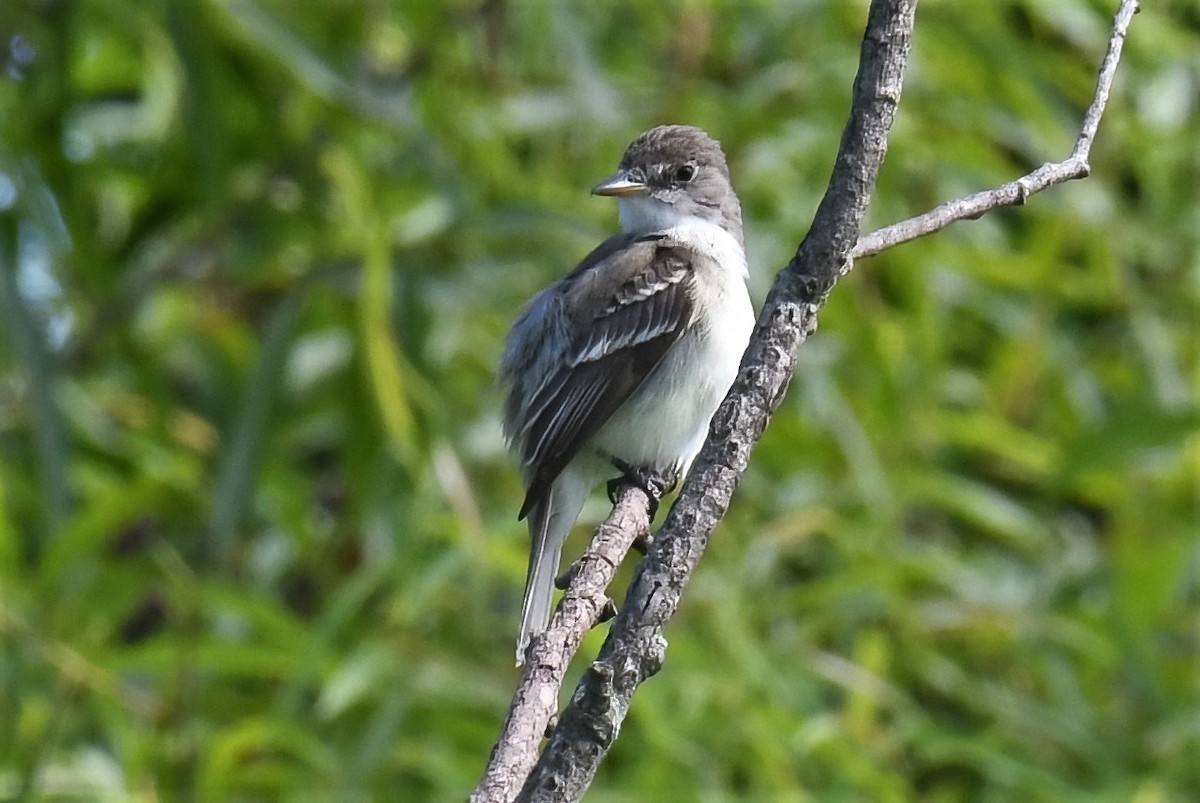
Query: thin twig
column 970, row 207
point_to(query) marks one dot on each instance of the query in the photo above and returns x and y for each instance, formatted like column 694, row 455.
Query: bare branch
column 635, row 647
column 1016, row 192
column 1108, row 69
column 535, row 702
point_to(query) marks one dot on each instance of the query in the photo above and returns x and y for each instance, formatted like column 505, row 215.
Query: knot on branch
column 597, row 704
column 654, row 655
column 1023, row 192
column 808, row 319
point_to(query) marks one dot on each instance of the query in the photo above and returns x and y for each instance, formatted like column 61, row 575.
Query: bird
column 619, row 366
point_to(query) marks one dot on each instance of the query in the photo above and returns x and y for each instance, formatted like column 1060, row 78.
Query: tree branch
column 1016, row 192
column 635, row 646
column 535, row 701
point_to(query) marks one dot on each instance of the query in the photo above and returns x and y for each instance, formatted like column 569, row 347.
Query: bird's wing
column 641, row 295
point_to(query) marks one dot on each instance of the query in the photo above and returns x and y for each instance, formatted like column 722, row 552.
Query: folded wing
column 640, row 295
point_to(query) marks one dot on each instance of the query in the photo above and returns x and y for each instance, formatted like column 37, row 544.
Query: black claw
column 613, row 485
column 656, row 484
column 562, row 581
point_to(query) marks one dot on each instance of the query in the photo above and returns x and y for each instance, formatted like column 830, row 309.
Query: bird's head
column 670, row 174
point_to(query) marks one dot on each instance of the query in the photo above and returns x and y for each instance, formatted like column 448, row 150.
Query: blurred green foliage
column 257, row 524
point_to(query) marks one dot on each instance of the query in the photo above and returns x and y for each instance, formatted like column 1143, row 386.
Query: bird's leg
column 655, row 483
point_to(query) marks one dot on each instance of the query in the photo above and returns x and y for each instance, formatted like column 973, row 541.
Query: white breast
column 666, row 420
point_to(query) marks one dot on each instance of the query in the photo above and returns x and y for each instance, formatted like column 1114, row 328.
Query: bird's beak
column 620, row 186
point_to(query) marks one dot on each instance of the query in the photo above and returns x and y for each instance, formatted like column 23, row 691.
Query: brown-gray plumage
column 623, row 361
column 608, row 355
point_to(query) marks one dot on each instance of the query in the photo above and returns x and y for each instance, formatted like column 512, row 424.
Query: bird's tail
column 550, row 521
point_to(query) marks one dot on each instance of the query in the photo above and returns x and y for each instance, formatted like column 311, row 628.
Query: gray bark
column 635, row 648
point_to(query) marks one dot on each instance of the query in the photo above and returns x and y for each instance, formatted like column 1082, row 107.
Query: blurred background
column 258, row 533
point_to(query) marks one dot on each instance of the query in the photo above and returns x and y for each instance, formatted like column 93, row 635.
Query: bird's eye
column 685, row 173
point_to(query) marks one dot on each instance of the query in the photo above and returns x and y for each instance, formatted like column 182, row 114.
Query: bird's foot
column 656, row 484
column 563, row 580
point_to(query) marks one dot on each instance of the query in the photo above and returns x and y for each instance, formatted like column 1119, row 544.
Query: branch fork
column 635, row 647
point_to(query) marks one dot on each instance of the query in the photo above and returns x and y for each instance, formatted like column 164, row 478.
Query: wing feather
column 589, row 365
